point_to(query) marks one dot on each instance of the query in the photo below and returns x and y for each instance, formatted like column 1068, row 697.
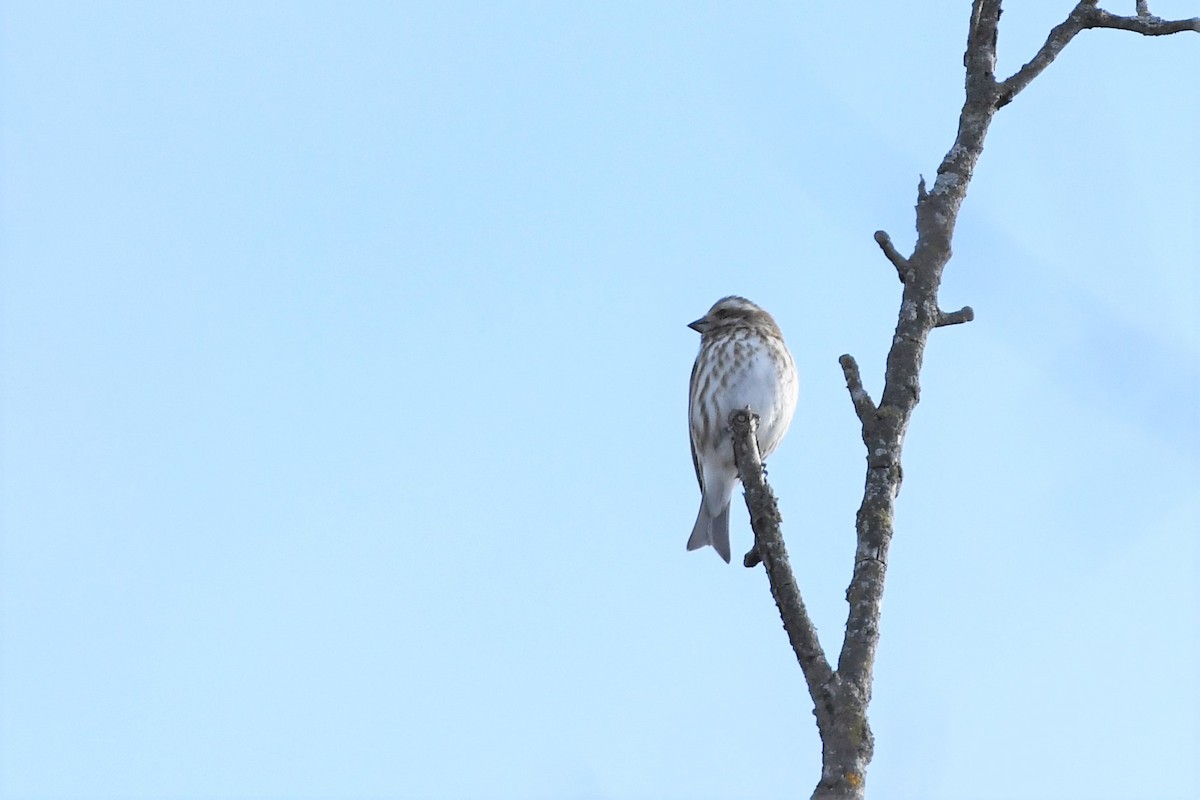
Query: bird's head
column 730, row 313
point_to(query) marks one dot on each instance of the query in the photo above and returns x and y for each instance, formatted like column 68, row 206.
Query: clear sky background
column 344, row 372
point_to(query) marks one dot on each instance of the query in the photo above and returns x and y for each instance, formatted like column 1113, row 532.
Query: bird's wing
column 696, row 464
column 691, row 438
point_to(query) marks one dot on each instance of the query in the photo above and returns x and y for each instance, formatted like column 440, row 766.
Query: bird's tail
column 710, row 530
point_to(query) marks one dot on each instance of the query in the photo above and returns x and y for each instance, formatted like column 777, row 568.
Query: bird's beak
column 700, row 325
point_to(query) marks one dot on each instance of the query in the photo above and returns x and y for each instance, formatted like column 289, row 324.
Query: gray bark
column 841, row 696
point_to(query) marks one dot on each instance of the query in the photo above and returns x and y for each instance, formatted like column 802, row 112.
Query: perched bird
column 743, row 364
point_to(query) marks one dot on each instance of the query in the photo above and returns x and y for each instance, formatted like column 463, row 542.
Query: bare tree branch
column 841, row 696
column 1059, row 36
column 1087, row 14
column 1144, row 23
column 765, row 519
column 847, row 744
column 937, row 213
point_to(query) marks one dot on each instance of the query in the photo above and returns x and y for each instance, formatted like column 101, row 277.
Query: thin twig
column 1148, row 25
column 964, row 314
column 893, row 255
column 864, row 406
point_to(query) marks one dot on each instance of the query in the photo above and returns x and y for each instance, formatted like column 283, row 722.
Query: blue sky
column 344, row 370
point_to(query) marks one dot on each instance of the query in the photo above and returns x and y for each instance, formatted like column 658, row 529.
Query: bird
column 743, row 363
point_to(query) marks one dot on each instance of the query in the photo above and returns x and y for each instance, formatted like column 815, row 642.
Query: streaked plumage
column 743, row 363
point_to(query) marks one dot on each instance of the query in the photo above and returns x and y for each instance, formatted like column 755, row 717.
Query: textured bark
column 841, row 696
column 769, row 548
